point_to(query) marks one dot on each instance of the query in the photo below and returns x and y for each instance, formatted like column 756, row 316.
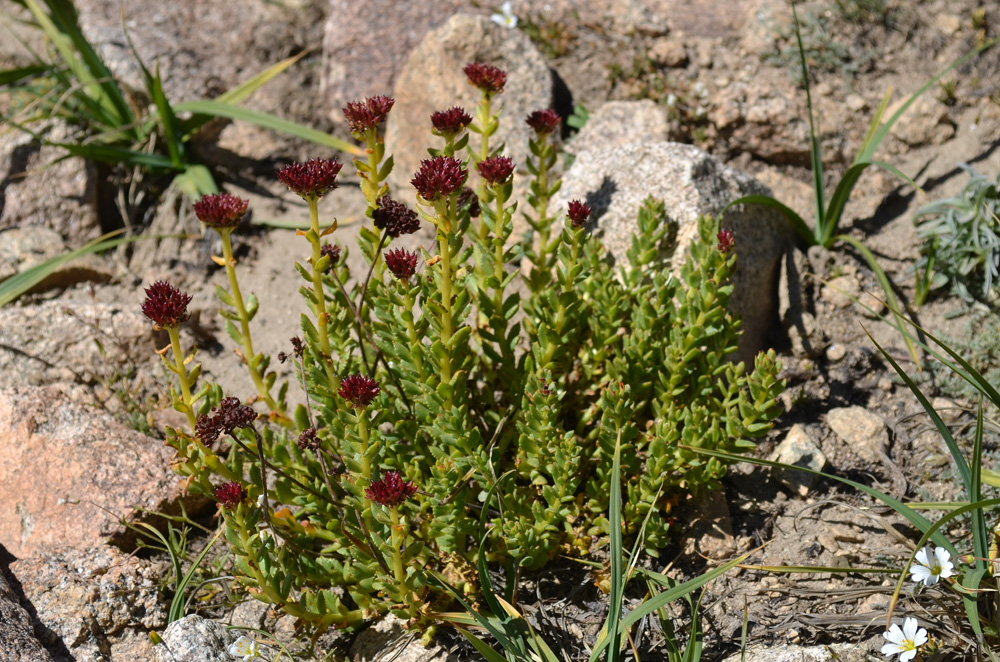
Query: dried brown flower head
column 230, row 415
column 395, row 218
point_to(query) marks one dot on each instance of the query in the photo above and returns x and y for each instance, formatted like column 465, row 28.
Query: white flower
column 931, row 566
column 244, row 647
column 904, row 641
column 506, row 16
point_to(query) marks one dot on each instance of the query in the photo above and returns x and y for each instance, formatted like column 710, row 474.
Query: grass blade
column 241, row 92
column 221, row 109
column 793, row 218
column 890, row 296
column 956, row 454
column 815, row 149
column 680, row 590
column 11, row 76
column 117, row 155
column 20, row 283
column 179, row 602
column 980, row 537
column 912, row 516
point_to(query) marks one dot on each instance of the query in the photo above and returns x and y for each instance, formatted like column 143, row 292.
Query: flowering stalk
column 250, row 357
column 183, row 376
column 542, row 159
column 570, row 251
column 490, row 81
column 497, row 173
column 166, row 306
column 223, row 212
column 311, row 181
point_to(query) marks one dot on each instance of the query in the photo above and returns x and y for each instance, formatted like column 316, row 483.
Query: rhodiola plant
column 430, row 375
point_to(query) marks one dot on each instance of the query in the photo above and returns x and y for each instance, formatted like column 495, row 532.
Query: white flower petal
column 919, row 573
column 891, row 649
column 895, row 634
column 921, row 637
column 906, row 656
column 910, row 628
column 498, row 19
column 923, row 556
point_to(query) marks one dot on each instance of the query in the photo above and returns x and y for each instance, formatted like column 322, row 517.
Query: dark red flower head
column 230, row 494
column 544, row 122
column 359, row 390
column 439, row 177
column 368, row 114
column 725, row 238
column 450, row 122
column 496, row 170
column 401, row 263
column 165, row 305
column 579, row 212
column 390, row 490
column 220, row 210
column 395, row 218
column 333, row 251
column 311, row 180
column 489, row 79
column 227, row 418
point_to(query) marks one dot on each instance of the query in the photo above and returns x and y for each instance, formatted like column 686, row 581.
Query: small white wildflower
column 505, row 18
column 244, row 647
column 671, row 99
column 930, row 566
column 904, row 641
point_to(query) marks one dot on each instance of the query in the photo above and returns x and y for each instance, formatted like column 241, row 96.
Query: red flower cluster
column 725, row 238
column 450, row 122
column 364, row 115
column 165, row 305
column 220, row 210
column 489, row 79
column 544, row 122
column 228, row 417
column 230, row 494
column 311, row 180
column 439, row 178
column 579, row 212
column 359, row 390
column 390, row 490
column 401, row 263
column 496, row 170
column 395, row 218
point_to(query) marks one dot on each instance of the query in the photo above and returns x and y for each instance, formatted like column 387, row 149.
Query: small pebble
column 835, row 353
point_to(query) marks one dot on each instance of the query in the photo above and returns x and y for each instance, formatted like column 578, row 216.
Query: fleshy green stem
column 322, row 317
column 182, row 374
column 397, row 535
column 249, row 355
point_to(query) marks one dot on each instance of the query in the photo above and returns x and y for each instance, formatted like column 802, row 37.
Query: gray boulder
column 432, row 80
column 195, row 639
column 691, row 183
column 619, row 123
column 17, row 637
